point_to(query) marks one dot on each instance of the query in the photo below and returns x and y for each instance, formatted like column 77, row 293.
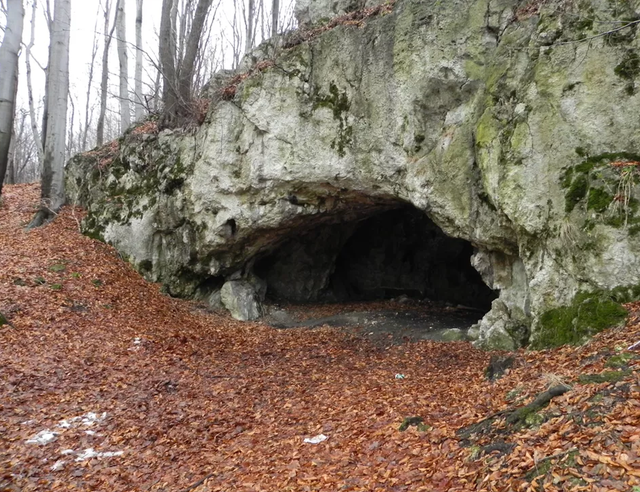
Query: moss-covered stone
column 629, row 67
column 588, row 314
column 620, row 361
column 338, row 102
column 577, row 191
column 599, row 200
column 603, row 377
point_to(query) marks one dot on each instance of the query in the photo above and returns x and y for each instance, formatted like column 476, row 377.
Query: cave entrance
column 391, row 254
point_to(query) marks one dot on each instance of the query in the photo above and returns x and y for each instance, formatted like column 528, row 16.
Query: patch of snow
column 58, row 465
column 89, row 453
column 43, row 437
column 88, row 419
column 316, row 439
column 92, row 418
column 90, row 433
column 67, row 451
column 27, row 422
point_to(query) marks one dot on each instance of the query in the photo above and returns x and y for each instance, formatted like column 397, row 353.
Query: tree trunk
column 123, row 58
column 57, row 93
column 167, row 49
column 104, row 82
column 186, row 69
column 32, row 110
column 275, row 14
column 250, row 21
column 87, row 112
column 9, row 78
column 138, row 75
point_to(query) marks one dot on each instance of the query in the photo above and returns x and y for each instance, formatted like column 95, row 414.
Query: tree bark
column 193, row 44
column 123, row 58
column 140, row 109
column 53, row 197
column 32, row 111
column 250, row 23
column 9, row 78
column 275, row 15
column 104, row 82
column 167, row 50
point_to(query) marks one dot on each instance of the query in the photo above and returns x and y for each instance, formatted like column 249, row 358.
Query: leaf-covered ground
column 164, row 394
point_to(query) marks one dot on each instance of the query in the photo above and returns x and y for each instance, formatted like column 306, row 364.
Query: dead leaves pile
column 187, row 394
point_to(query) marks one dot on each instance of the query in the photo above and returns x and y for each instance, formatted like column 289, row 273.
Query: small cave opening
column 397, row 253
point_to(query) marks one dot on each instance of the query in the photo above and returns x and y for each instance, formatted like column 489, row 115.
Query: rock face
column 512, row 125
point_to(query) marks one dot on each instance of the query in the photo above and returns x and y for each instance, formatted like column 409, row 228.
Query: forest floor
column 106, row 384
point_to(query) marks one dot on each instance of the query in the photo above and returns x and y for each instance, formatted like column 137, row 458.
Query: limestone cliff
column 512, row 125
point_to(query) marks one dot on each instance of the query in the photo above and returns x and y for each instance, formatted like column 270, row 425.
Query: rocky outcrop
column 512, row 125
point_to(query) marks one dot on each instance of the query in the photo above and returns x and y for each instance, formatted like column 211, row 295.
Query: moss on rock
column 603, row 377
column 588, row 314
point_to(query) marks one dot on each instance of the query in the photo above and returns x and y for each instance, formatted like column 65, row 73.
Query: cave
column 389, row 254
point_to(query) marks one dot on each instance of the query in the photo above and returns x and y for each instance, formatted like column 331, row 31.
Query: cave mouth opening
column 385, row 255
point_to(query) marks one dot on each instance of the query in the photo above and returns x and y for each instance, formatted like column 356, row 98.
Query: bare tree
column 178, row 72
column 23, row 164
column 275, row 13
column 139, row 103
column 250, row 21
column 9, row 51
column 105, row 71
column 87, row 113
column 123, row 58
column 52, row 197
column 32, row 111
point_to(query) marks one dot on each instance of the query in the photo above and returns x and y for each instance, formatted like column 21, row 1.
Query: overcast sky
column 87, row 19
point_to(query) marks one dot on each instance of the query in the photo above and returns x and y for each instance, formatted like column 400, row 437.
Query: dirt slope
column 180, row 394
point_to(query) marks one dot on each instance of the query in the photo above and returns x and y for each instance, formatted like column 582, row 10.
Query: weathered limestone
column 241, row 299
column 504, row 128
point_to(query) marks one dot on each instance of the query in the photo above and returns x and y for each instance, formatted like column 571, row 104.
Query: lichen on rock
column 502, row 126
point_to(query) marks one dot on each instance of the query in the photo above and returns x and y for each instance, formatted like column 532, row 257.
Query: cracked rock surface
column 503, row 127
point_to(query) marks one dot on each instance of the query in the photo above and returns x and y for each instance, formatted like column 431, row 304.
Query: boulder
column 241, row 299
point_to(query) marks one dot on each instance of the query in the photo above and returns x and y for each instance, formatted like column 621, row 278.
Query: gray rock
column 241, row 299
column 462, row 109
column 214, row 300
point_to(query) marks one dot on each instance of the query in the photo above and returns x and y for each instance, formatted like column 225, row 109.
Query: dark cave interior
column 382, row 256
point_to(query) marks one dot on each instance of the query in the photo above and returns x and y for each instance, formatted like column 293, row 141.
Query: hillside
column 166, row 393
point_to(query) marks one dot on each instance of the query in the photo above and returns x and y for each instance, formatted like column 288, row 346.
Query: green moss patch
column 597, row 186
column 629, row 67
column 603, row 377
column 338, row 102
column 577, row 191
column 589, row 313
column 620, row 361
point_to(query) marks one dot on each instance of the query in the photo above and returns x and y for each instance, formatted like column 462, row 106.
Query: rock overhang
column 470, row 114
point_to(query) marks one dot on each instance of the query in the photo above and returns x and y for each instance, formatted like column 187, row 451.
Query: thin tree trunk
column 138, row 75
column 9, row 79
column 275, row 14
column 32, row 111
column 12, row 159
column 250, row 22
column 87, row 120
column 57, row 92
column 104, row 82
column 123, row 58
column 45, row 109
